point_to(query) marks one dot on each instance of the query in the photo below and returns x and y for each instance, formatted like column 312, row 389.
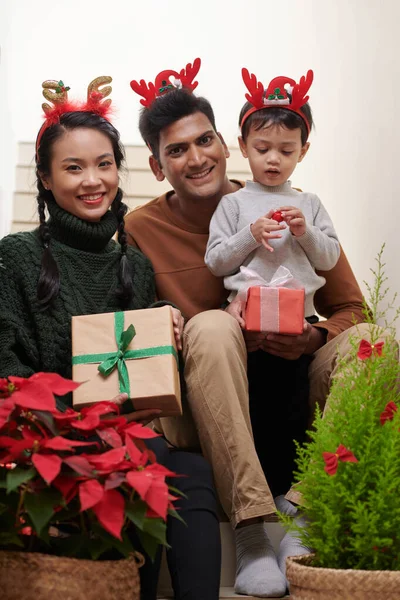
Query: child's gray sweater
column 231, row 243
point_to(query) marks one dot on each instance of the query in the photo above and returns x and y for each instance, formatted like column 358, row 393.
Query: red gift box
column 275, row 309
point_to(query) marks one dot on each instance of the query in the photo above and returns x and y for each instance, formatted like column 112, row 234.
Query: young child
column 262, row 226
column 268, row 223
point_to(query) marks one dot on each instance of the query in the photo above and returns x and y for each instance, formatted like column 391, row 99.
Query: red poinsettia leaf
column 80, row 465
column 47, row 465
column 88, row 423
column 116, row 423
column 60, row 443
column 137, row 430
column 331, row 462
column 108, row 461
column 157, row 498
column 110, row 512
column 135, row 454
column 110, row 437
column 101, row 408
column 160, row 470
column 57, row 384
column 33, row 395
column 90, row 493
column 114, row 480
column 6, row 408
column 66, row 417
column 389, row 412
column 67, row 486
column 140, row 481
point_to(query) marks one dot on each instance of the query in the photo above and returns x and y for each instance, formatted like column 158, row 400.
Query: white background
column 353, row 48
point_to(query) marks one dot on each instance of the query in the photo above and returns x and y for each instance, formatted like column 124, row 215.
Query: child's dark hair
column 276, row 116
column 49, row 279
column 167, row 109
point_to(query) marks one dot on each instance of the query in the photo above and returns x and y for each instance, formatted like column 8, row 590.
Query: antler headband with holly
column 276, row 95
column 57, row 93
column 163, row 83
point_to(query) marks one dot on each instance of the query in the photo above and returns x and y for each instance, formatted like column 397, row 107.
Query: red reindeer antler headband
column 59, row 98
column 163, row 83
column 275, row 96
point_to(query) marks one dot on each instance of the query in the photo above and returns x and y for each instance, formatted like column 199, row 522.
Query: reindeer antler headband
column 59, row 98
column 163, row 83
column 276, row 96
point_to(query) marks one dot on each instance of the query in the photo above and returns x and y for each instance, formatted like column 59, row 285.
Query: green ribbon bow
column 117, row 359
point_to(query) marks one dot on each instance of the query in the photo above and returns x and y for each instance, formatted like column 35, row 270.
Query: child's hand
column 178, row 322
column 265, row 229
column 236, row 310
column 295, row 219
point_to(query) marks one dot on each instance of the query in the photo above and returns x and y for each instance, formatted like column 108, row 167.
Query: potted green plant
column 349, row 474
column 73, row 489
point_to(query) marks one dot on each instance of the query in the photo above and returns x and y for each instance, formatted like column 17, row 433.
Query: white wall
column 351, row 46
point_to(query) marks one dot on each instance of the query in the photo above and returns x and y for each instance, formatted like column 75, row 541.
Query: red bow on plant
column 388, row 413
column 366, row 349
column 332, row 459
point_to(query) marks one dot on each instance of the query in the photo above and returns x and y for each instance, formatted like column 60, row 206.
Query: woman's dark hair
column 49, row 279
column 276, row 116
column 167, row 109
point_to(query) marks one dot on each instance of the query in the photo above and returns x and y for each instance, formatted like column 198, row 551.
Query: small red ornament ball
column 277, row 216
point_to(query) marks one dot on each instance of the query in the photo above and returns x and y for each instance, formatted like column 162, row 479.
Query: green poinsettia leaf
column 136, row 512
column 40, row 507
column 173, row 513
column 18, row 476
column 149, row 544
column 175, row 491
column 157, row 528
column 9, row 538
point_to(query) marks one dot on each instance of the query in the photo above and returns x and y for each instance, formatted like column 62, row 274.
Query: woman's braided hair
column 49, row 279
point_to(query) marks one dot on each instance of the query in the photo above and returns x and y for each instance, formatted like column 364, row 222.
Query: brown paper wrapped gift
column 146, row 367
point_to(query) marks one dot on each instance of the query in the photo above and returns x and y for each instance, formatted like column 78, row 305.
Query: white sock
column 285, row 507
column 257, row 570
column 291, row 545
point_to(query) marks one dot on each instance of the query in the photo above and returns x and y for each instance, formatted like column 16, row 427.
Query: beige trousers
column 216, row 415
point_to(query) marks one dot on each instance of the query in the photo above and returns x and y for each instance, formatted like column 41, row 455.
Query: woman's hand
column 144, row 416
column 179, row 323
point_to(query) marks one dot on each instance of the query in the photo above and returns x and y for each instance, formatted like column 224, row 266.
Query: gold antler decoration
column 59, row 96
column 94, row 89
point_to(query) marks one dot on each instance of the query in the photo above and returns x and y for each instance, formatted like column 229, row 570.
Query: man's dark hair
column 276, row 116
column 167, row 109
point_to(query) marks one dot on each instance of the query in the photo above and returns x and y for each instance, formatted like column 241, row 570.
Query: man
column 172, row 231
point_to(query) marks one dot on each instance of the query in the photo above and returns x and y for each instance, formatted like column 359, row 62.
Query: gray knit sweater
column 231, row 243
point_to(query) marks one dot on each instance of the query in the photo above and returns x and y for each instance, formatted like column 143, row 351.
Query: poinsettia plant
column 349, row 473
column 80, row 484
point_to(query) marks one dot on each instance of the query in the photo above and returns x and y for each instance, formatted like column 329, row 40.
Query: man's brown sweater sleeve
column 340, row 300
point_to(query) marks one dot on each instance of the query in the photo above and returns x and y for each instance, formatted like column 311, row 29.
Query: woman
column 71, row 266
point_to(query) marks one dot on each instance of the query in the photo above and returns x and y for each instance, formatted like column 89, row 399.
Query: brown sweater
column 177, row 254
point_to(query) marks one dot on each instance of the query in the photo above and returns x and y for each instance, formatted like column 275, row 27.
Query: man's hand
column 295, row 219
column 265, row 229
column 290, row 347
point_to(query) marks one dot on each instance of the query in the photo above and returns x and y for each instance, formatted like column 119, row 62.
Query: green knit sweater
column 32, row 340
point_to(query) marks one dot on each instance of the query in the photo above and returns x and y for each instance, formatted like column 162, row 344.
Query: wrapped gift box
column 145, row 367
column 275, row 309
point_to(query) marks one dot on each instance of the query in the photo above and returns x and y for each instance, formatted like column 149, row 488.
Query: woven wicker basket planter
column 35, row 576
column 312, row 583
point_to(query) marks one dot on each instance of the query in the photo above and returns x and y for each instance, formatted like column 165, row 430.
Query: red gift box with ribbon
column 273, row 307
